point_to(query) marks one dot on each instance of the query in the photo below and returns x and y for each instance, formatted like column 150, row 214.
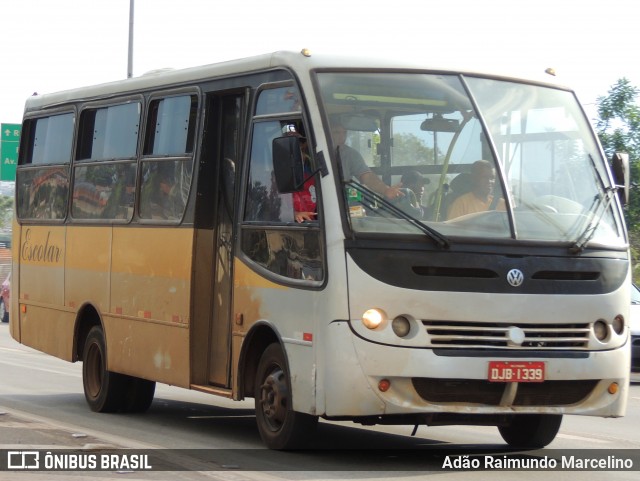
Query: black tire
column 280, row 427
column 138, row 394
column 4, row 313
column 531, row 431
column 104, row 390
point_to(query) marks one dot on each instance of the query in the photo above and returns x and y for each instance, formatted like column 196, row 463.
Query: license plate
column 512, row 371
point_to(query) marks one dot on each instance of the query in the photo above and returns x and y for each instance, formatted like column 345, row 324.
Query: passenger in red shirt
column 304, row 201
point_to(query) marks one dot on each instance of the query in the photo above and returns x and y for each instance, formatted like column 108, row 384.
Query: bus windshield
column 474, row 157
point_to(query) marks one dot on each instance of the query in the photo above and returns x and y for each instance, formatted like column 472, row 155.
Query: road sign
column 9, row 150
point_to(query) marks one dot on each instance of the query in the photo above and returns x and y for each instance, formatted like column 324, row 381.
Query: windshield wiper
column 602, row 200
column 439, row 239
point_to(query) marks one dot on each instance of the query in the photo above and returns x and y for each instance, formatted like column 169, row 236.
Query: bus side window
column 105, row 169
column 264, row 202
column 271, row 237
column 165, row 188
column 165, row 183
column 42, row 187
column 103, row 191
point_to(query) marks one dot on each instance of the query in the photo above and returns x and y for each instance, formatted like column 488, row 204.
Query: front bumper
column 422, row 381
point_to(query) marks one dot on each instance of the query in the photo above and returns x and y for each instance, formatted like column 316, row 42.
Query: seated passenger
column 480, row 199
column 415, row 182
column 305, row 200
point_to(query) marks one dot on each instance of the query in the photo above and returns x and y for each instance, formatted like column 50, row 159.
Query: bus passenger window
column 109, row 133
column 42, row 193
column 171, row 126
column 104, row 191
column 49, row 140
column 42, row 187
column 164, row 189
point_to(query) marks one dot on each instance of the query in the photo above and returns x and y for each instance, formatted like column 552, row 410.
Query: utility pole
column 130, row 63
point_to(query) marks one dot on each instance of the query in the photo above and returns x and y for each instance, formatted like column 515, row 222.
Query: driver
column 353, row 165
column 483, row 178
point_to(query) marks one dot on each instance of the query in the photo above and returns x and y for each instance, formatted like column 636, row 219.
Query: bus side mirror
column 620, row 170
column 287, row 164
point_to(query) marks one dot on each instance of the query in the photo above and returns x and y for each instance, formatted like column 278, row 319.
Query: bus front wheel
column 103, row 389
column 279, row 425
column 531, row 431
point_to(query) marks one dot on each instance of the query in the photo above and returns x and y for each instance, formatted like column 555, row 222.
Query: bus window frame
column 103, row 104
column 42, row 114
column 191, row 157
column 23, row 150
column 97, row 105
column 169, row 93
column 301, row 115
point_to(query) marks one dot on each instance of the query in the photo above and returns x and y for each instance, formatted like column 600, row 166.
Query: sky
column 51, row 45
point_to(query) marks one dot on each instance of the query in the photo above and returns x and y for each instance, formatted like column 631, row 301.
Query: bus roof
column 297, row 61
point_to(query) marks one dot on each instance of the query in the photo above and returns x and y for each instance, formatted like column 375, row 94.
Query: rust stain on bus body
column 248, row 301
column 139, row 287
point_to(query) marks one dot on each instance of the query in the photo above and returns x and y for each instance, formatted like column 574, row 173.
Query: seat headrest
column 462, row 183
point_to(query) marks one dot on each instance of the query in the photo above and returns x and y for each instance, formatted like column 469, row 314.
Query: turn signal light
column 384, row 385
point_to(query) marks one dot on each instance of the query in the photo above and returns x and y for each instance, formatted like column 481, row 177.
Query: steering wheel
column 407, row 203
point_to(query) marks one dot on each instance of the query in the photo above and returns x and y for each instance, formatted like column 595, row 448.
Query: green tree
column 619, row 120
column 618, row 128
column 409, row 149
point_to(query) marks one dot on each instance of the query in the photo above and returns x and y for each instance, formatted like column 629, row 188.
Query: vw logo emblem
column 515, row 277
column 515, row 335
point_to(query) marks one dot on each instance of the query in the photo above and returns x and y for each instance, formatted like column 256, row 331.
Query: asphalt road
column 198, row 436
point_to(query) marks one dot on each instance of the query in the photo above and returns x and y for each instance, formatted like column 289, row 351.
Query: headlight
column 373, row 318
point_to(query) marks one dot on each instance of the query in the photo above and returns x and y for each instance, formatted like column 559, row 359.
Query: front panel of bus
column 496, row 278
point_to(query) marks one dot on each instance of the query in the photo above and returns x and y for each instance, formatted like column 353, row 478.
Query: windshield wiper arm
column 440, row 240
column 601, row 200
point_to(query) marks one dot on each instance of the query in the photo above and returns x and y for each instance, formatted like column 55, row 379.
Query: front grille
column 473, row 391
column 490, row 335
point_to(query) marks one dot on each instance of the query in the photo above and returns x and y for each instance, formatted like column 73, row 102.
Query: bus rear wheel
column 279, row 425
column 531, row 431
column 103, row 389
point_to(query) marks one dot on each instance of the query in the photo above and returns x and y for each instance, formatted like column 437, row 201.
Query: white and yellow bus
column 241, row 229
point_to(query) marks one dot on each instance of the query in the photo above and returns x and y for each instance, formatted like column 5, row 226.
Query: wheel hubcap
column 274, row 398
